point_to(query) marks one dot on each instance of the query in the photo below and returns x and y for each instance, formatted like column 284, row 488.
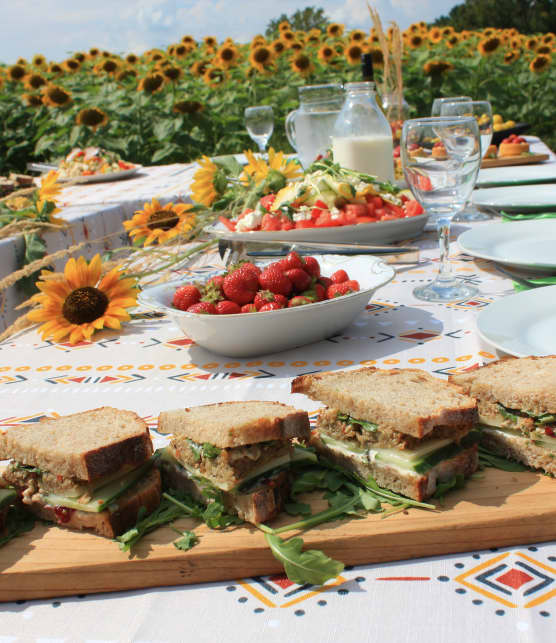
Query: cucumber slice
column 342, row 445
column 7, row 497
column 408, row 458
column 103, row 496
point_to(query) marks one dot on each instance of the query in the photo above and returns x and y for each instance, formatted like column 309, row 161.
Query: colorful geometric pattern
column 513, row 579
column 472, row 304
column 99, row 379
column 190, row 376
column 26, row 419
column 419, row 336
column 12, row 379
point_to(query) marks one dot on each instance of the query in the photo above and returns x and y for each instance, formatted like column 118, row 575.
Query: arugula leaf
column 18, row 521
column 442, row 488
column 368, row 426
column 210, row 451
column 309, row 481
column 505, row 413
column 27, row 467
column 489, row 459
column 311, row 566
column 297, row 508
column 187, row 541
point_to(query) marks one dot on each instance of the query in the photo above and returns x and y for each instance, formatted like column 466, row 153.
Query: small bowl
column 251, row 334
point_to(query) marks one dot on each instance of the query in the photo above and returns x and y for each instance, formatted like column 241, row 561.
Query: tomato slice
column 321, row 204
column 271, row 222
column 356, row 210
column 413, row 208
column 229, row 224
column 305, row 223
column 287, row 224
column 394, row 210
column 366, row 220
column 267, row 201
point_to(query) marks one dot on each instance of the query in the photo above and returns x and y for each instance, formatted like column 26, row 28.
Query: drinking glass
column 259, row 121
column 437, row 103
column 482, row 111
column 442, row 179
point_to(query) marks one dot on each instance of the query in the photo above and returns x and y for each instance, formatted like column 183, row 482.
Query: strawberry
column 266, row 296
column 248, row 308
column 241, row 285
column 293, row 260
column 273, row 279
column 227, row 307
column 216, row 281
column 325, row 281
column 346, row 287
column 185, row 297
column 320, row 292
column 203, row 308
column 299, row 300
column 312, row 267
column 272, row 305
column 299, row 278
column 339, row 276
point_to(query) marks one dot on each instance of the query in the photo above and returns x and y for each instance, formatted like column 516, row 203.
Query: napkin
column 506, row 216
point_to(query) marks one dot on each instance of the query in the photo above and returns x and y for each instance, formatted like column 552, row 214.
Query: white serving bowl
column 251, row 334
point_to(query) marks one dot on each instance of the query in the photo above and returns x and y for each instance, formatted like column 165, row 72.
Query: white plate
column 379, row 232
column 101, row 178
column 518, row 198
column 517, row 175
column 522, row 324
column 522, row 244
column 250, row 334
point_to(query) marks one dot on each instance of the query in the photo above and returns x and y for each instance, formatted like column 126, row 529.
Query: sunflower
column 16, row 72
column 511, row 56
column 300, row 35
column 157, row 56
column 214, row 77
column 38, row 60
column 377, row 56
column 80, row 56
column 353, row 54
column 210, row 41
column 261, row 58
column 132, row 59
column 93, row 117
column 94, row 52
column 79, row 302
column 286, row 36
column 108, row 66
column 544, row 49
column 284, row 26
column 435, row 35
column 126, row 73
column 516, row 43
column 326, row 53
column 188, row 107
column 531, row 44
column 151, row 83
column 257, row 41
column 548, row 38
column 56, row 96
column 277, row 47
column 189, row 40
column 181, row 51
column 335, row 30
column 357, row 35
column 294, row 45
column 49, row 190
column 21, row 61
column 313, row 41
column 31, row 100
column 258, row 169
column 539, row 63
column 227, row 56
column 487, row 33
column 453, row 40
column 199, row 68
column 158, row 224
column 72, row 65
column 414, row 28
column 172, row 74
column 171, row 49
column 302, row 64
column 34, row 81
column 488, row 46
column 205, row 179
column 447, row 31
column 55, row 68
column 437, row 67
column 415, row 41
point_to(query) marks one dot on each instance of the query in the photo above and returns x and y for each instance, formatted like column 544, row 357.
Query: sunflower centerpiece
column 157, row 224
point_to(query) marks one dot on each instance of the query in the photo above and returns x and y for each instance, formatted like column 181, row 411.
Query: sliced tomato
column 389, row 217
column 355, row 210
column 325, row 220
column 229, row 224
column 267, row 201
column 413, row 208
column 271, row 222
column 87, row 173
column 377, row 201
column 366, row 220
column 305, row 223
column 394, row 210
column 321, row 204
column 287, row 224
column 379, row 213
column 125, row 166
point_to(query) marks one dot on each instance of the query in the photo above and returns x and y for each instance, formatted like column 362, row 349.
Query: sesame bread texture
column 523, row 383
column 418, row 486
column 120, row 516
column 234, row 424
column 407, row 401
column 84, row 446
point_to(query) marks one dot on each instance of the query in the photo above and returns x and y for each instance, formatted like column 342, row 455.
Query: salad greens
column 368, row 426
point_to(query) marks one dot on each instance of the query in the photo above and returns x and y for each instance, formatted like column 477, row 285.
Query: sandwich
column 90, row 470
column 239, row 452
column 8, row 498
column 517, row 408
column 408, row 430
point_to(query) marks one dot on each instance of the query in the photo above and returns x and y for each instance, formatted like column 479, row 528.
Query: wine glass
column 437, row 103
column 440, row 159
column 482, row 111
column 259, row 121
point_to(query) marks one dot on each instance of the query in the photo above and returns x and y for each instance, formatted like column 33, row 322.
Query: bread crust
column 413, row 485
column 73, row 446
column 233, row 424
column 117, row 518
column 394, row 398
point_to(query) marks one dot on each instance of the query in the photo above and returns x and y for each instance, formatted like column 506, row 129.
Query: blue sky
column 56, row 28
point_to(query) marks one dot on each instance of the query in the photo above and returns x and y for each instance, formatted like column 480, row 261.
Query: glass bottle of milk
column 362, row 137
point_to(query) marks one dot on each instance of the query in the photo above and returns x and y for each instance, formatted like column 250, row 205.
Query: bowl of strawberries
column 257, row 309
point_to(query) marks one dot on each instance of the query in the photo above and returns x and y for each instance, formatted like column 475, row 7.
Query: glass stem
column 445, row 269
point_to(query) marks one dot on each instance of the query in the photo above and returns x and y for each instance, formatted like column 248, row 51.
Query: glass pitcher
column 362, row 138
column 309, row 127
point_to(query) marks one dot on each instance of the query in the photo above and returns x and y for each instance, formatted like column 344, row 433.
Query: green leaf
column 489, row 459
column 297, row 508
column 35, row 248
column 311, row 566
column 210, row 451
column 18, row 521
column 187, row 541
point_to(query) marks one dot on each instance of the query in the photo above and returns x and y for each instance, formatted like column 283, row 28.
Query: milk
column 368, row 154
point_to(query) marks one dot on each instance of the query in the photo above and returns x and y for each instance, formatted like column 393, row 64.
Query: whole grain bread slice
column 408, row 400
column 233, row 424
column 521, row 383
column 85, row 446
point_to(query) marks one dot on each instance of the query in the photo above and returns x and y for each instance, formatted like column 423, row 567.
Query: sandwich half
column 517, row 408
column 90, row 470
column 241, row 451
column 405, row 428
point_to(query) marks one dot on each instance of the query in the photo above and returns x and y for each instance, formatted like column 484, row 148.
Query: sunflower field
column 177, row 104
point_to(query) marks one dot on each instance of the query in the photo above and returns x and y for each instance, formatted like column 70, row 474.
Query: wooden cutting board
column 513, row 160
column 498, row 510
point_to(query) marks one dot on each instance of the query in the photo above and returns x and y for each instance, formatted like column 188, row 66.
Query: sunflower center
column 162, row 220
column 58, row 95
column 227, row 54
column 261, row 55
column 84, row 305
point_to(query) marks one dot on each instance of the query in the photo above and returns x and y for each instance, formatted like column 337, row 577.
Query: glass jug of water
column 309, row 128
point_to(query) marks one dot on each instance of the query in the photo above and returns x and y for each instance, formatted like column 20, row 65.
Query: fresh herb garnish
column 27, row 467
column 368, row 426
column 505, row 413
column 442, row 488
column 489, row 459
column 297, row 508
column 206, row 450
column 187, row 541
column 18, row 521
